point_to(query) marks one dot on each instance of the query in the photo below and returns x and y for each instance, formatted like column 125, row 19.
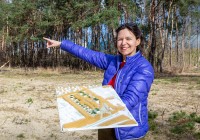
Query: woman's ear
column 138, row 42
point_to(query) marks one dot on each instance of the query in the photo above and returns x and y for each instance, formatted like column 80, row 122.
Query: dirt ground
column 28, row 108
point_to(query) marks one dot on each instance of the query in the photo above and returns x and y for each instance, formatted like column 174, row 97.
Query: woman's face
column 127, row 43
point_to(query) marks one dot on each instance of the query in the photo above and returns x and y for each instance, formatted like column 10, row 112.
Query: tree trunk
column 189, row 38
column 3, row 40
column 197, row 45
column 171, row 41
column 177, row 39
column 166, row 33
column 152, row 34
column 183, row 46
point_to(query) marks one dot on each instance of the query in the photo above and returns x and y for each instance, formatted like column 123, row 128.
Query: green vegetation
column 198, row 81
column 152, row 124
column 174, row 79
column 197, row 135
column 163, row 81
column 29, row 101
column 2, row 91
column 86, row 137
column 181, row 125
column 23, row 24
column 21, row 136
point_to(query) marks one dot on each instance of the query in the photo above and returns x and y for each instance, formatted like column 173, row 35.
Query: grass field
column 28, row 108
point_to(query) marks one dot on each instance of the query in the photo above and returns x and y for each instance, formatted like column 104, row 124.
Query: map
column 92, row 108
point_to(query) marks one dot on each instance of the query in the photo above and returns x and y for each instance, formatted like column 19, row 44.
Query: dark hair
column 136, row 31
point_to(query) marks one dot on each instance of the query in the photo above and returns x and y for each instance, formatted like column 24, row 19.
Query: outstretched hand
column 52, row 43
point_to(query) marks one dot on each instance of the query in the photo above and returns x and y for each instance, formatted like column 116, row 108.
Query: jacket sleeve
column 139, row 86
column 95, row 58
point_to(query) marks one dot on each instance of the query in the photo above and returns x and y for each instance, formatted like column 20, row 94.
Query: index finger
column 46, row 39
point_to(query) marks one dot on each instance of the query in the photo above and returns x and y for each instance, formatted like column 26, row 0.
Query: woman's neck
column 124, row 59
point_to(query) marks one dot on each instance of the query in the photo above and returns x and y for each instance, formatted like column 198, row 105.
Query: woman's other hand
column 52, row 43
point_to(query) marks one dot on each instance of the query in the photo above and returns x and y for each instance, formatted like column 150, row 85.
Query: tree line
column 170, row 28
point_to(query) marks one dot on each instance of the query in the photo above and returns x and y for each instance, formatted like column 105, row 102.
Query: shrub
column 152, row 124
column 183, row 124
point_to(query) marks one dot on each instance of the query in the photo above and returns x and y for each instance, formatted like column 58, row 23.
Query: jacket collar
column 130, row 59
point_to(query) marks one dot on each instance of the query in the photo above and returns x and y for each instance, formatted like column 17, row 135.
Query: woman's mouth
column 124, row 48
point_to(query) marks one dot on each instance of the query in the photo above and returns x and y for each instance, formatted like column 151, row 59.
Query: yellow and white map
column 92, row 108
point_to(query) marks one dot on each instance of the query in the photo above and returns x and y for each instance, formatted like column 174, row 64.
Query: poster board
column 92, row 108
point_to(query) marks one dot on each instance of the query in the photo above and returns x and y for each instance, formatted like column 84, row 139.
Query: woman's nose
column 123, row 41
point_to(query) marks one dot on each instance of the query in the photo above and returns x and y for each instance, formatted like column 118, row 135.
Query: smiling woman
column 126, row 42
column 129, row 39
column 128, row 72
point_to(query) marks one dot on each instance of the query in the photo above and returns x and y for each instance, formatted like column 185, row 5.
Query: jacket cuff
column 66, row 45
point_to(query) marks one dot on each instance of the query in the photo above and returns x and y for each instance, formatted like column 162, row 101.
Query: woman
column 130, row 74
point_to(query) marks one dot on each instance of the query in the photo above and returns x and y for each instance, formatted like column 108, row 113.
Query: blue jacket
column 133, row 83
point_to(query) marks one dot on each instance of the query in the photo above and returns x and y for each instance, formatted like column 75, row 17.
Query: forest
column 170, row 27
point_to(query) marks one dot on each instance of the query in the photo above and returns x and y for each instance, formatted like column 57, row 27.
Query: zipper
column 117, row 78
column 116, row 83
column 118, row 74
column 140, row 113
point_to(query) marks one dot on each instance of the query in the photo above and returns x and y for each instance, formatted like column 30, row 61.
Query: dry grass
column 28, row 102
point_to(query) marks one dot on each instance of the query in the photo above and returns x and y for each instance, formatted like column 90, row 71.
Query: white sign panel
column 92, row 108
